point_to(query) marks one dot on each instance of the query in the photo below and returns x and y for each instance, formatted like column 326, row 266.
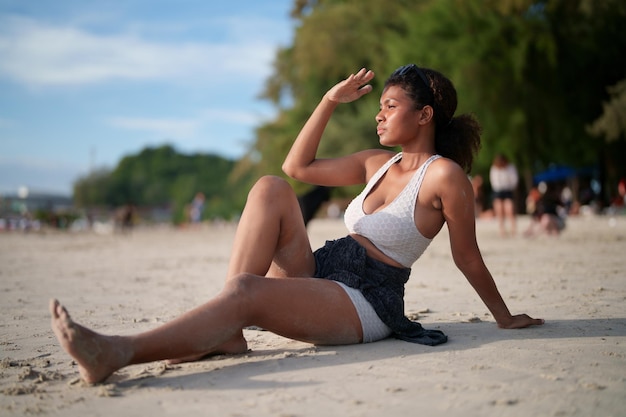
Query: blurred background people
column 196, row 208
column 503, row 178
column 548, row 212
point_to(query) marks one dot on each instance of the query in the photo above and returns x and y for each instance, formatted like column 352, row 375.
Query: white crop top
column 392, row 229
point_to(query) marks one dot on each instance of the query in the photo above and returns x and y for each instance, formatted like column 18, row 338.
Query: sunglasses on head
column 405, row 69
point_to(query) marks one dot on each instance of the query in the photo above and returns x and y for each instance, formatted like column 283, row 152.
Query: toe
column 54, row 303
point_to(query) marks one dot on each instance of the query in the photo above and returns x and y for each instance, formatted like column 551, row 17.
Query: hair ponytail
column 459, row 140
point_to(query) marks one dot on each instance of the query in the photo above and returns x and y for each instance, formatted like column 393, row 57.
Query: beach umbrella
column 555, row 173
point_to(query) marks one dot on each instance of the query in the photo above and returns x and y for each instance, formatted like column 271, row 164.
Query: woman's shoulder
column 382, row 154
column 373, row 159
column 445, row 171
column 447, row 166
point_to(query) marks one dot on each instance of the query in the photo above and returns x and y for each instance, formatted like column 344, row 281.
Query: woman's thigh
column 293, row 256
column 271, row 237
column 312, row 310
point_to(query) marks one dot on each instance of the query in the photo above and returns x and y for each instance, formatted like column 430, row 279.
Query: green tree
column 92, row 189
column 162, row 177
column 612, row 123
column 535, row 72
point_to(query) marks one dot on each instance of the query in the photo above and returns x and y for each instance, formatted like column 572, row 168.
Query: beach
column 123, row 283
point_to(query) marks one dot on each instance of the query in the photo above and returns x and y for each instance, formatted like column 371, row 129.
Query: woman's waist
column 373, row 252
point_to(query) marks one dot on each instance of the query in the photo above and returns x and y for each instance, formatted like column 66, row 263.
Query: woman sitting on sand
column 273, row 278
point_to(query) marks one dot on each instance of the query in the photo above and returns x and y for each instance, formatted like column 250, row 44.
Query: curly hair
column 456, row 137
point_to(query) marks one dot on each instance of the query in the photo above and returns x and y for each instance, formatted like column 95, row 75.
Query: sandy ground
column 574, row 365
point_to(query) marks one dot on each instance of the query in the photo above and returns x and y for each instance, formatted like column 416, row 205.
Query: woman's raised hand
column 352, row 88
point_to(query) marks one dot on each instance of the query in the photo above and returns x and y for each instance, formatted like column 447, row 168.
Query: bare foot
column 234, row 346
column 98, row 356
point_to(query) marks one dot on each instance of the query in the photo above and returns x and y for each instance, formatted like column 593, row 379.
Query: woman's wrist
column 329, row 99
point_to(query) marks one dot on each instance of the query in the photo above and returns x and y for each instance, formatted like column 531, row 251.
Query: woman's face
column 398, row 119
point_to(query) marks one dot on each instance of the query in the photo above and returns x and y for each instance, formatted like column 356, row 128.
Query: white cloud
column 229, row 116
column 38, row 54
column 164, row 128
column 185, row 128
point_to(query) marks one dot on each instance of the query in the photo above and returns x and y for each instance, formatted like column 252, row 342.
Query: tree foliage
column 162, row 177
column 542, row 76
column 535, row 72
column 612, row 123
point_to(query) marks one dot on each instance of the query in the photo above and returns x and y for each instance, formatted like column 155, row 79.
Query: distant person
column 617, row 203
column 196, row 208
column 567, row 198
column 350, row 290
column 503, row 178
column 533, row 197
column 549, row 214
column 124, row 218
column 620, row 200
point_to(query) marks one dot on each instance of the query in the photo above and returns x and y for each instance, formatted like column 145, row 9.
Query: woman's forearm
column 483, row 283
column 304, row 149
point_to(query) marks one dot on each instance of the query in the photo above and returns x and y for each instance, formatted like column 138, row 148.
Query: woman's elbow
column 285, row 168
column 290, row 170
column 467, row 261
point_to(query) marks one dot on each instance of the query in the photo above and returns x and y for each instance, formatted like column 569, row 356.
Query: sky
column 85, row 83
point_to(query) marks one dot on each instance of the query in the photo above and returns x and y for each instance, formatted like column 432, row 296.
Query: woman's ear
column 426, row 114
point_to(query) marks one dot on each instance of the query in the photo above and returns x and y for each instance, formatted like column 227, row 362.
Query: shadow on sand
column 229, row 373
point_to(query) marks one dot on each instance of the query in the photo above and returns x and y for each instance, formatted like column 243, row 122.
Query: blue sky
column 85, row 83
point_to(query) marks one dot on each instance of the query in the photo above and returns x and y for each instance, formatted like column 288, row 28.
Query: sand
column 574, row 365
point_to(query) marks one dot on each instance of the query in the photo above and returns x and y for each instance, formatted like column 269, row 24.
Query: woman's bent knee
column 242, row 291
column 239, row 285
column 270, row 188
column 271, row 183
column 243, row 287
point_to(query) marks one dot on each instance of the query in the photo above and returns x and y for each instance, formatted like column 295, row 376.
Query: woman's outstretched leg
column 309, row 309
column 203, row 329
